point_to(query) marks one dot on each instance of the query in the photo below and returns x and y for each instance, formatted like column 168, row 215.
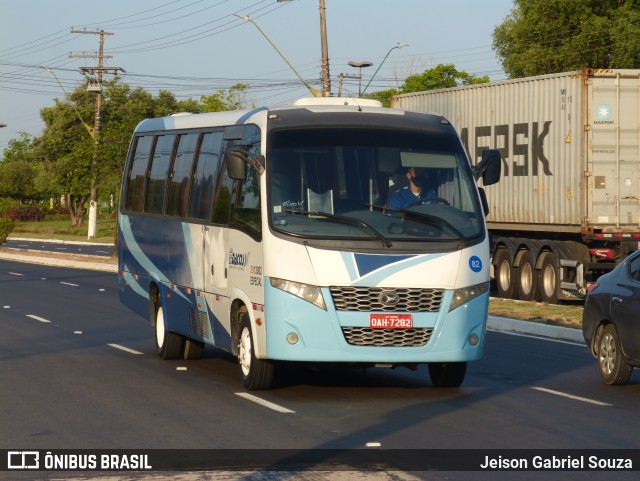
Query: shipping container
column 567, row 207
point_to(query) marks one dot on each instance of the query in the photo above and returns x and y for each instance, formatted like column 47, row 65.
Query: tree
column 222, row 101
column 58, row 162
column 66, row 145
column 439, row 77
column 549, row 36
column 16, row 171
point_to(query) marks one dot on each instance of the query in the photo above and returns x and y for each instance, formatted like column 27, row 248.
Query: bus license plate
column 390, row 321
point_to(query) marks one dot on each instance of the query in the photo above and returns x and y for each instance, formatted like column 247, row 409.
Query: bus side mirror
column 236, row 159
column 489, row 168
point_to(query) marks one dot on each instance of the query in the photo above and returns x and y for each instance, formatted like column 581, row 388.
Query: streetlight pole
column 399, row 45
column 313, row 91
column 326, row 79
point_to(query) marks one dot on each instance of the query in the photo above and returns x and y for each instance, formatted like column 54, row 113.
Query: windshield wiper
column 431, row 219
column 349, row 220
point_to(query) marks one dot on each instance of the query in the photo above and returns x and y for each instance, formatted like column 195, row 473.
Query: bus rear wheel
column 447, row 374
column 255, row 373
column 168, row 344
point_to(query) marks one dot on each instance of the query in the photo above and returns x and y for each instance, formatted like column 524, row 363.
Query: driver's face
column 416, row 173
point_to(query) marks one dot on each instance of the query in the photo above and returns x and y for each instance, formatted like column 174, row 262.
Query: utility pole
column 95, row 87
column 326, row 79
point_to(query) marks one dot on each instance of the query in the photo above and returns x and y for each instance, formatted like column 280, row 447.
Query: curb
column 61, row 241
column 53, row 261
column 516, row 326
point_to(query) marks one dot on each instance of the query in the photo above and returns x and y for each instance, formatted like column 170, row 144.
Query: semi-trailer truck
column 567, row 208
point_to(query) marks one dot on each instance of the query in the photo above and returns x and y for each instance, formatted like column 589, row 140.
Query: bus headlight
column 309, row 293
column 465, row 294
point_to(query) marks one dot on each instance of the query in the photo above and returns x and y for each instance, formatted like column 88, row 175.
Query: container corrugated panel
column 542, row 126
column 613, row 140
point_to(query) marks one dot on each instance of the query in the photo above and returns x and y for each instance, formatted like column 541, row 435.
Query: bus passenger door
column 215, row 269
column 215, row 281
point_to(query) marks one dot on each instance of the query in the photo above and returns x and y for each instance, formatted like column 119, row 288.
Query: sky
column 198, row 47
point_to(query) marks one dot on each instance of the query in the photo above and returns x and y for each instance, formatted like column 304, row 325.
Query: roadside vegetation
column 62, row 229
column 563, row 315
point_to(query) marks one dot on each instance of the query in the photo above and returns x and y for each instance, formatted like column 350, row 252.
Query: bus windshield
column 387, row 185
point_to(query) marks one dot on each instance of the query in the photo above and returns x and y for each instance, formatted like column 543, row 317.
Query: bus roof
column 320, row 111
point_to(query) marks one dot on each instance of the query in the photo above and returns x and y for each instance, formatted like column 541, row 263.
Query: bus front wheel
column 255, row 373
column 447, row 374
column 168, row 344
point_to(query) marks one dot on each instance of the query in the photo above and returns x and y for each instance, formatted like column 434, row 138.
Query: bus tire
column 255, row 373
column 193, row 349
column 528, row 284
column 447, row 374
column 549, row 279
column 613, row 368
column 168, row 344
column 505, row 274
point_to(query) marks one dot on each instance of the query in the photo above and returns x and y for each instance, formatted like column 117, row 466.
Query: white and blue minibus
column 266, row 233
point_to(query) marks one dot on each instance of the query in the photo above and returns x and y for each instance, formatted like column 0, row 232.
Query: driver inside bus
column 414, row 193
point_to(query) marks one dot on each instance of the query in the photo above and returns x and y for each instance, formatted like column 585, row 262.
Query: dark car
column 611, row 321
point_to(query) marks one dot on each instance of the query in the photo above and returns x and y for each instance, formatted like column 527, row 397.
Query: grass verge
column 63, row 230
column 564, row 315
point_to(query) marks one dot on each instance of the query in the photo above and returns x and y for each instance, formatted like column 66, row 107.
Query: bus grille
column 365, row 336
column 198, row 323
column 351, row 298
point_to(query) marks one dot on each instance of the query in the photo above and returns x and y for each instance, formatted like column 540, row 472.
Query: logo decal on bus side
column 238, row 260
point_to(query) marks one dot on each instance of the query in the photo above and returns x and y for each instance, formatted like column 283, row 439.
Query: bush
column 6, row 226
column 7, row 203
column 24, row 213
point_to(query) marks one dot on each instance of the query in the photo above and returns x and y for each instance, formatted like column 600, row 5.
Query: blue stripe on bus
column 367, row 263
column 378, row 276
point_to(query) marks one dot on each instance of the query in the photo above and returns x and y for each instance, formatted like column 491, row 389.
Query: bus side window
column 205, row 176
column 137, row 173
column 181, row 175
column 245, row 204
column 157, row 182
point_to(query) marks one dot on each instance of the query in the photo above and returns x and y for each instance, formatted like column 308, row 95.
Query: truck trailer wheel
column 505, row 274
column 527, row 278
column 549, row 279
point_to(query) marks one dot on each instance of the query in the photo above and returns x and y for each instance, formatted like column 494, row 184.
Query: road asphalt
column 502, row 324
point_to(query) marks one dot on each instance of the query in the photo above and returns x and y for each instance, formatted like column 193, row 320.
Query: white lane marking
column 265, row 403
column 16, row 274
column 125, row 349
column 571, row 396
column 38, row 318
column 533, row 336
column 70, row 284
